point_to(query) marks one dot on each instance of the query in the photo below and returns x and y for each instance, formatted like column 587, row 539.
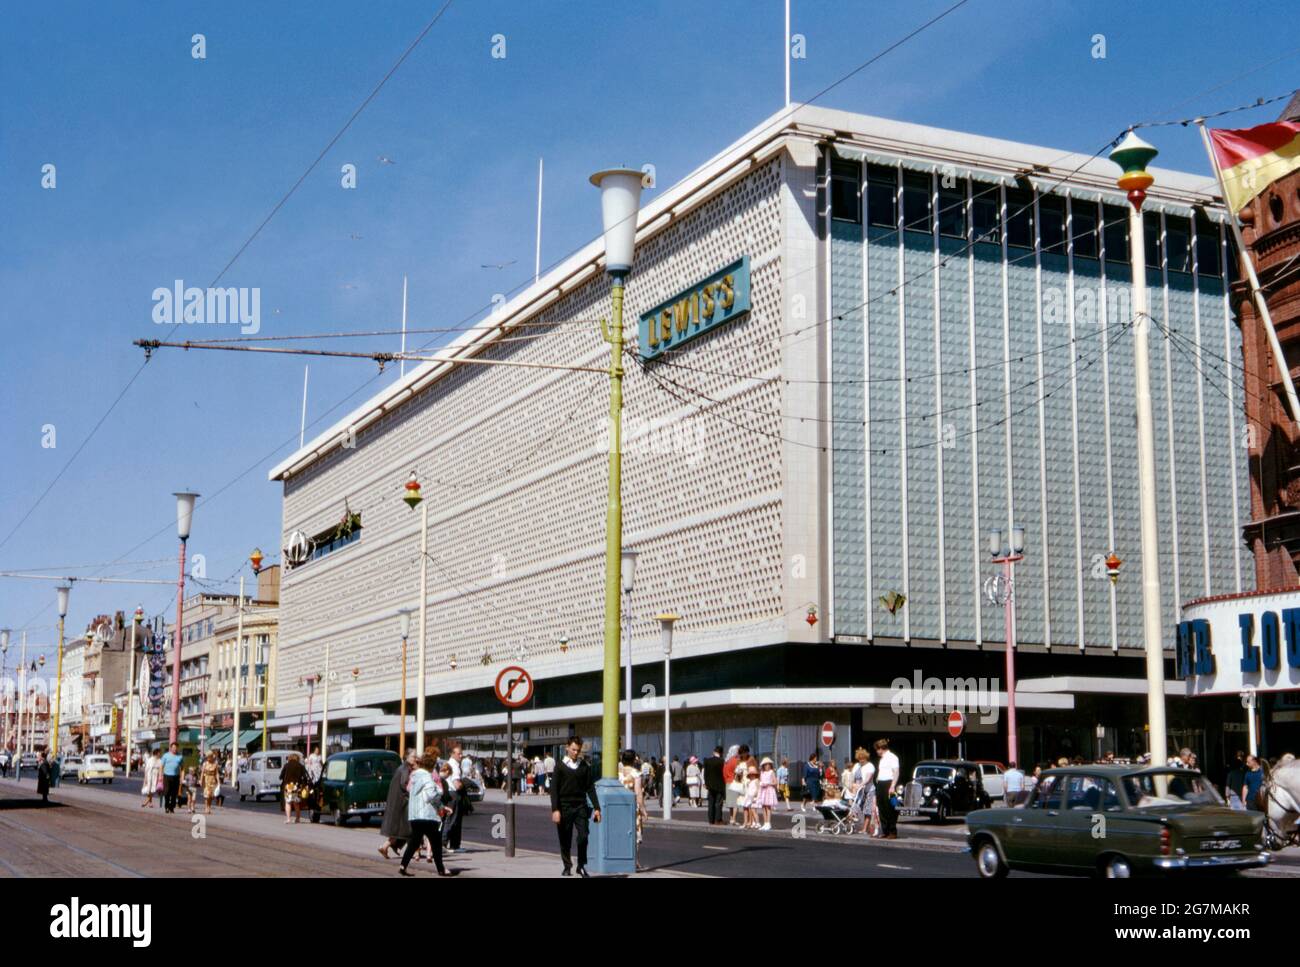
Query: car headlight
column 925, row 791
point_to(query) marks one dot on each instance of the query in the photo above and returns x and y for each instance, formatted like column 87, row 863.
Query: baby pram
column 843, row 814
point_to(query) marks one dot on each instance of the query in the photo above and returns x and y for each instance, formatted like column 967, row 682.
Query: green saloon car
column 1116, row 821
column 356, row 784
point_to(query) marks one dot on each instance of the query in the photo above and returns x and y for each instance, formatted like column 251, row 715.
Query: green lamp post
column 615, row 834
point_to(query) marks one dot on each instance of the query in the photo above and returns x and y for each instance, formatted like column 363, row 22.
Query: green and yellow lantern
column 412, row 495
column 1133, row 155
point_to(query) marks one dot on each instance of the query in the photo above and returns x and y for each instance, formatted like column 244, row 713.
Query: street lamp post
column 620, row 199
column 1007, row 555
column 666, row 622
column 405, row 615
column 4, row 673
column 21, row 696
column 130, row 689
column 309, row 682
column 62, row 592
column 413, row 499
column 184, row 517
column 628, row 572
column 1133, row 155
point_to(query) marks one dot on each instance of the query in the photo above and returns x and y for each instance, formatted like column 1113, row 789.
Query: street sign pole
column 510, row 782
column 514, row 687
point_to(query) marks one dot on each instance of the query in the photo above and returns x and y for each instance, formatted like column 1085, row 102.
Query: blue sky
column 166, row 164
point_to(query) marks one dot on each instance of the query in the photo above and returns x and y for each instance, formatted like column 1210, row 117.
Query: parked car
column 473, row 790
column 943, row 789
column 69, row 766
column 5, row 758
column 29, row 760
column 1117, row 821
column 95, row 767
column 356, row 783
column 259, row 775
column 991, row 775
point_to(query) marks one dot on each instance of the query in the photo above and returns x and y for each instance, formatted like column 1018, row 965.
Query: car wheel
column 940, row 815
column 241, row 793
column 989, row 861
column 365, row 820
column 1116, row 868
column 315, row 815
column 339, row 818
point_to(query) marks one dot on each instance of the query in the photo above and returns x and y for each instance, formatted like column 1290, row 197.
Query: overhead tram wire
column 68, row 463
column 851, row 421
column 890, row 292
column 885, row 451
column 840, row 317
column 136, row 375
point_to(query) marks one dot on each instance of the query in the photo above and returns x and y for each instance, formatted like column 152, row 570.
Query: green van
column 356, row 784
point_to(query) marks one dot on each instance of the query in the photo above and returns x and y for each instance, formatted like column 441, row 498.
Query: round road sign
column 514, row 687
column 956, row 722
column 828, row 734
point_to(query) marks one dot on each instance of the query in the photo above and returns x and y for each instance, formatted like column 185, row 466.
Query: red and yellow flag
column 1251, row 159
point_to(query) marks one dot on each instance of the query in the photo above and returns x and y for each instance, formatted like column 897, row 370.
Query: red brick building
column 1271, row 226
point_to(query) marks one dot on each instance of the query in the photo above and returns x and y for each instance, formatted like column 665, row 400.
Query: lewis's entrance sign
column 721, row 297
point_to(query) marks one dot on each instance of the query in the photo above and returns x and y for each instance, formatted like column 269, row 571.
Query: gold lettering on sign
column 706, row 301
column 666, row 325
column 728, row 292
column 684, row 314
column 652, row 331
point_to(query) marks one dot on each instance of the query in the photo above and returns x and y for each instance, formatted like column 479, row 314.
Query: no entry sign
column 956, row 722
column 514, row 687
column 828, row 734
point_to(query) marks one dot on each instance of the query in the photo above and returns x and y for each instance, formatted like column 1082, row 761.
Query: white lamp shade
column 995, row 541
column 405, row 615
column 184, row 513
column 63, row 600
column 666, row 622
column 620, row 199
column 628, row 568
column 1017, row 539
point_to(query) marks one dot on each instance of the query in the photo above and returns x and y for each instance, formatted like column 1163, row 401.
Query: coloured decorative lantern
column 412, row 495
column 1112, row 567
column 1133, row 155
column 256, row 560
column 892, row 601
column 811, row 617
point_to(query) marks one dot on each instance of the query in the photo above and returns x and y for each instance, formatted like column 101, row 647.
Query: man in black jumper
column 715, row 785
column 573, row 785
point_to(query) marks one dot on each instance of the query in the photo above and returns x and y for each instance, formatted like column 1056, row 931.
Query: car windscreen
column 336, row 769
column 937, row 773
column 1172, row 787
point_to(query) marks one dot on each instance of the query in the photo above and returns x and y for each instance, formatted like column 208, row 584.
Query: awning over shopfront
column 249, row 736
column 218, row 741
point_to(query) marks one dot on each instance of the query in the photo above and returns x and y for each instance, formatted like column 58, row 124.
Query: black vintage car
column 944, row 788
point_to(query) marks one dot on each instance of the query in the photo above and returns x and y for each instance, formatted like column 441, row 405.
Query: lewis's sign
column 721, row 297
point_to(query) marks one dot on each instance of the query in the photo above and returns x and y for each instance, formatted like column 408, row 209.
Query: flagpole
column 787, row 53
column 1261, row 305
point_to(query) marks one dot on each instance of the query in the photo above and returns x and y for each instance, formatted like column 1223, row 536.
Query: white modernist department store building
column 813, row 438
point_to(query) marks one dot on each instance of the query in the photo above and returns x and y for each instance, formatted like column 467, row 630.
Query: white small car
column 94, row 767
column 70, row 767
column 991, row 777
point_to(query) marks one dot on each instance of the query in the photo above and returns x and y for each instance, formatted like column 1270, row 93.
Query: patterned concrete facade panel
column 513, row 463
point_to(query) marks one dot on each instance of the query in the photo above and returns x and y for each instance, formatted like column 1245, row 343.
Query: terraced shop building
column 872, row 342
